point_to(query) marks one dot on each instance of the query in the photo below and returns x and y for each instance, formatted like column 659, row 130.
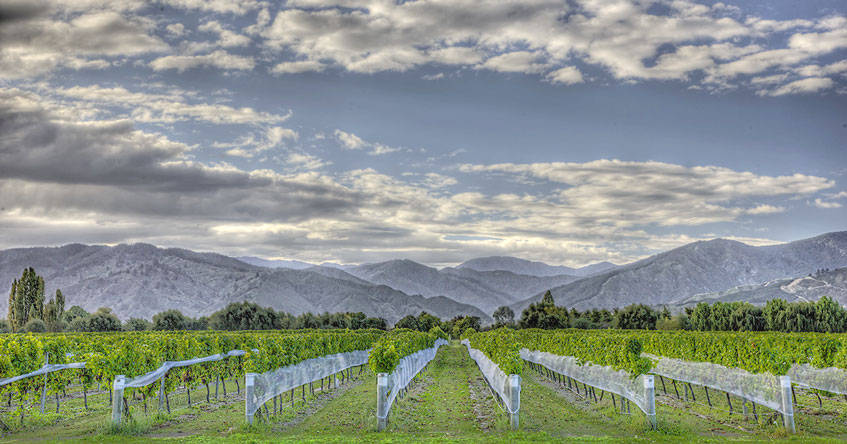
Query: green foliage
column 636, row 317
column 395, row 345
column 408, row 322
column 503, row 315
column 137, row 324
column 544, row 314
column 26, row 299
column 438, row 332
column 35, row 326
column 502, row 346
column 169, row 320
column 618, row 349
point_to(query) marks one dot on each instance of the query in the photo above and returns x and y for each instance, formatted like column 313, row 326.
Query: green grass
column 449, row 403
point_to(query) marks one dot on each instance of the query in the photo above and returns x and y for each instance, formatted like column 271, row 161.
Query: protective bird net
column 409, row 366
column 273, row 383
column 762, row 388
column 599, row 376
column 496, row 378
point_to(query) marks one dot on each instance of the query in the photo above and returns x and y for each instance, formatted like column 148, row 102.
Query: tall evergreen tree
column 26, row 300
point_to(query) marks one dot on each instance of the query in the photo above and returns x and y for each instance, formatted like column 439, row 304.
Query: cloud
column 176, row 29
column 159, row 107
column 298, row 67
column 820, row 203
column 350, row 141
column 236, row 7
column 217, row 59
column 803, row 86
column 227, row 38
column 630, row 194
column 518, row 61
column 565, row 76
column 766, row 209
column 543, row 37
column 42, row 37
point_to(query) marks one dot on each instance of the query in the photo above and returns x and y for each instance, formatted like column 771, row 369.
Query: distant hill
column 530, row 268
column 700, row 267
column 140, row 280
column 259, row 262
column 807, row 288
column 484, row 289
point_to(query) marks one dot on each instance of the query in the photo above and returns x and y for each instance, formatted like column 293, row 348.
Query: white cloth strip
column 49, row 368
column 495, row 377
column 408, row 367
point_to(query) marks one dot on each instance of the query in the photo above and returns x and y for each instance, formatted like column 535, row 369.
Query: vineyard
column 501, row 385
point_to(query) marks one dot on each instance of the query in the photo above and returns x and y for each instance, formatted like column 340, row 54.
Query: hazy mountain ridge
column 700, row 267
column 141, row 280
column 531, row 268
column 484, row 289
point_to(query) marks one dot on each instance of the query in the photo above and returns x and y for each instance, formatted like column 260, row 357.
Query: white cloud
column 568, row 75
column 226, row 38
column 298, row 67
column 237, row 7
column 766, row 209
column 176, row 29
column 349, row 141
column 217, row 59
column 305, row 161
column 518, row 61
column 51, row 37
column 803, row 86
column 822, row 204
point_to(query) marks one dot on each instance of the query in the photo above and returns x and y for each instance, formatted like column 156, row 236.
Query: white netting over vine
column 599, row 376
column 153, row 376
column 496, row 378
column 408, row 367
column 831, row 379
column 48, row 368
column 269, row 384
column 762, row 388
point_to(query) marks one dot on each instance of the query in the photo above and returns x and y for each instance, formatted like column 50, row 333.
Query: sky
column 353, row 131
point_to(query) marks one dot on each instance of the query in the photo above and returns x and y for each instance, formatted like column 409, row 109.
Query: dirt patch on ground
column 483, row 402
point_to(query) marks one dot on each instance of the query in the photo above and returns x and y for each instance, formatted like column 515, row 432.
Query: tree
column 169, row 320
column 701, row 317
column 102, row 320
column 137, row 324
column 407, row 321
column 377, row 323
column 53, row 312
column 829, row 316
column 504, row 315
column 35, row 326
column 639, row 317
column 26, row 300
column 544, row 314
column 245, row 316
column 73, row 313
column 427, row 321
column 775, row 313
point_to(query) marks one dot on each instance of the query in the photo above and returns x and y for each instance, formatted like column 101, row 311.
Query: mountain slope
column 530, row 268
column 807, row 288
column 141, row 280
column 484, row 289
column 700, row 267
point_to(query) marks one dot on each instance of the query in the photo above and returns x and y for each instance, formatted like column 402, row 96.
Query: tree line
column 823, row 316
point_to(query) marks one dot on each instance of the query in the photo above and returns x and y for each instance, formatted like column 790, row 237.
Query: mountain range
column 699, row 267
column 139, row 280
